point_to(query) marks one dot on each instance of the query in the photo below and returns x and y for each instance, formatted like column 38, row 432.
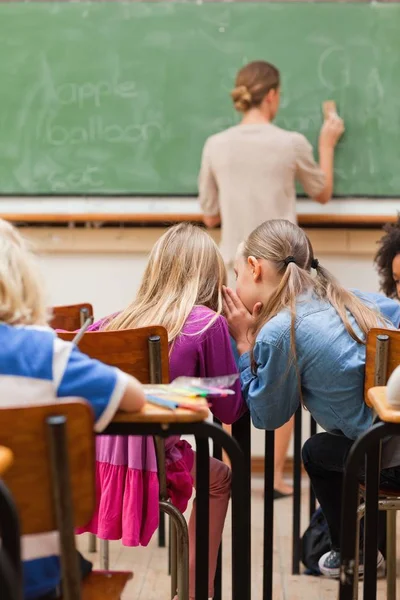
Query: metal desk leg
column 202, row 517
column 312, row 505
column 241, row 581
column 269, row 514
column 161, row 531
column 391, row 582
column 372, row 472
column 217, row 453
column 296, row 493
column 241, row 431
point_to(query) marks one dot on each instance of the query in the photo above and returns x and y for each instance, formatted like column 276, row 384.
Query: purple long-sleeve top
column 204, row 351
column 198, row 353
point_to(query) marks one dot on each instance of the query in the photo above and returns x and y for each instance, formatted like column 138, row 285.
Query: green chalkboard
column 118, row 98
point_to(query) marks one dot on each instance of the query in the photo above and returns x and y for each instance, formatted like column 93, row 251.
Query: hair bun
column 241, row 98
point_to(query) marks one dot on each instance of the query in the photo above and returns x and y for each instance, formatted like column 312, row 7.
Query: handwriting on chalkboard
column 81, row 178
column 336, row 70
column 94, row 92
column 95, row 129
column 92, row 95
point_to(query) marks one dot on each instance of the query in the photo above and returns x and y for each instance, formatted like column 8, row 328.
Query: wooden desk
column 156, row 414
column 377, row 399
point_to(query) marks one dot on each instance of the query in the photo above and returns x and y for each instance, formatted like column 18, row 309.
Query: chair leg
column 360, row 515
column 173, row 554
column 104, row 555
column 161, row 531
column 169, row 543
column 391, row 554
column 183, row 564
column 60, row 479
column 92, row 543
column 182, row 553
column 159, row 447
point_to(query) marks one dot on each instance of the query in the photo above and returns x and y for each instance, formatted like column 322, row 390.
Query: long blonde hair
column 22, row 300
column 277, row 240
column 185, row 269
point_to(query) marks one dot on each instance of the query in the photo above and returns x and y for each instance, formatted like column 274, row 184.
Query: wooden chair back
column 71, row 318
column 142, row 352
column 29, row 433
column 6, row 459
column 383, row 356
column 10, row 549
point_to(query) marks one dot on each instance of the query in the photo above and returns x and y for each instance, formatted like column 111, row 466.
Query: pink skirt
column 127, row 498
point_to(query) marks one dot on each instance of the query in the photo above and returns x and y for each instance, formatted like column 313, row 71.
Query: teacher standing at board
column 249, row 171
column 248, row 176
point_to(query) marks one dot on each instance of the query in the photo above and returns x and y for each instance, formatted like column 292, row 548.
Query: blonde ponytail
column 278, row 240
column 345, row 302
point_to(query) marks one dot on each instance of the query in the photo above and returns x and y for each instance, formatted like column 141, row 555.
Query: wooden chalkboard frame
column 310, row 220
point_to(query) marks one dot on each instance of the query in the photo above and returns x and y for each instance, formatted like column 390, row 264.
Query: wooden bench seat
column 105, row 585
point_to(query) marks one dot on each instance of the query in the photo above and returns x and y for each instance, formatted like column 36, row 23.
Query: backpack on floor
column 315, row 542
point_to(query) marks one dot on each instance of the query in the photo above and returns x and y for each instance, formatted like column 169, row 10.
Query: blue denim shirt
column 330, row 365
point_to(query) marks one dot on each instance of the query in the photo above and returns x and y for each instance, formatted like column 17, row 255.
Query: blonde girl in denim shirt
column 301, row 339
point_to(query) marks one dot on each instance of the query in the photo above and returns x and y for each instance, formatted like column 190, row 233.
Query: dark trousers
column 324, row 458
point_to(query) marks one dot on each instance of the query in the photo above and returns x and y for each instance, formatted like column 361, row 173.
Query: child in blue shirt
column 36, row 367
column 301, row 339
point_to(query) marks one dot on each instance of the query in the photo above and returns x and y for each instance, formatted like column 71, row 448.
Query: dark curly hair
column 389, row 248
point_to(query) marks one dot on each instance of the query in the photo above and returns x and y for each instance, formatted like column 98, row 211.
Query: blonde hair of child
column 277, row 240
column 22, row 299
column 185, row 270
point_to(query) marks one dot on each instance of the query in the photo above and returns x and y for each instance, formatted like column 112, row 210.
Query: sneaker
column 329, row 564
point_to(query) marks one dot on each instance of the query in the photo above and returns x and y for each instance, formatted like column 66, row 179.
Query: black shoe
column 278, row 495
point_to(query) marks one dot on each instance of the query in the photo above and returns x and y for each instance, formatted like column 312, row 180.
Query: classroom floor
column 149, row 564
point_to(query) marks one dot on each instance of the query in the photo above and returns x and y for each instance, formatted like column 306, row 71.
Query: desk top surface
column 377, row 399
column 156, row 414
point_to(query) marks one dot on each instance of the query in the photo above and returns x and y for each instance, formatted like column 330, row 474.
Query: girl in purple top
column 181, row 290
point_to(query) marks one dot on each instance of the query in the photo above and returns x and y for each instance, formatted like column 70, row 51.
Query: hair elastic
column 289, row 259
column 314, row 263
